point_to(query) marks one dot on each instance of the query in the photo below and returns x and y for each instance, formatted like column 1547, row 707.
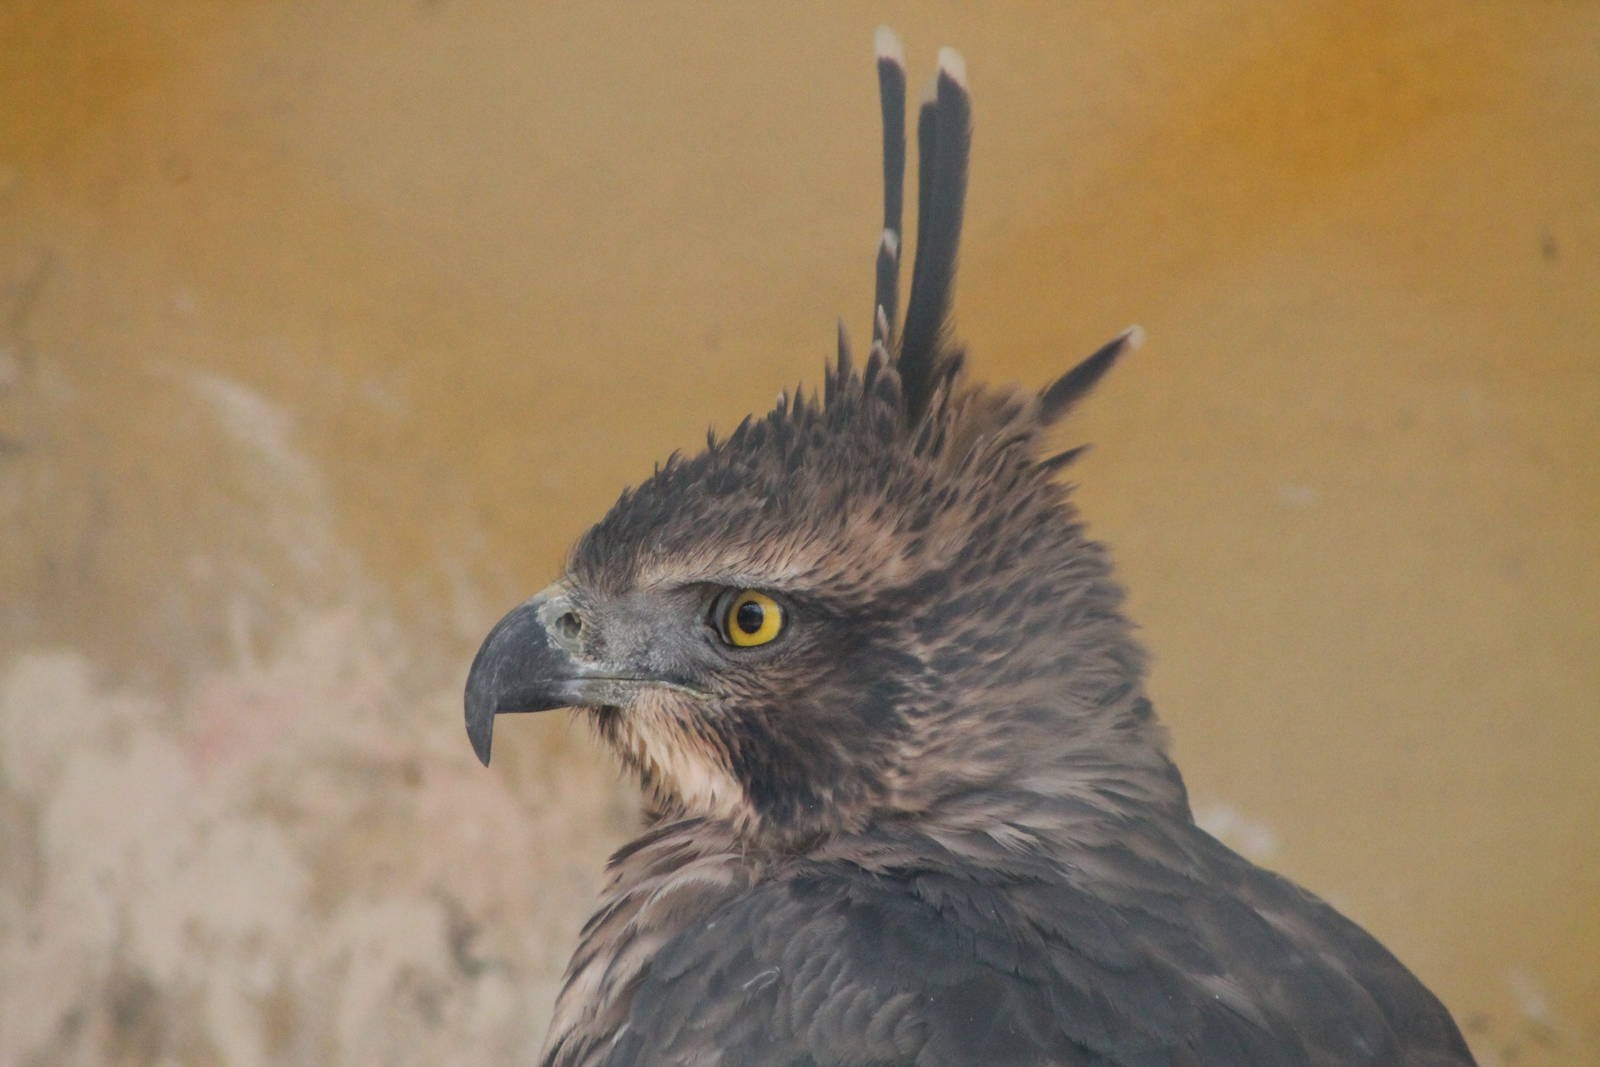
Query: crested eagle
column 910, row 802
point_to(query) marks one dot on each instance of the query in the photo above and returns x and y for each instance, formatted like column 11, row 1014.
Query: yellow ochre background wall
column 325, row 328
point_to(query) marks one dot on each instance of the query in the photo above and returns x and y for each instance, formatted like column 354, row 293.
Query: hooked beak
column 521, row 666
column 533, row 661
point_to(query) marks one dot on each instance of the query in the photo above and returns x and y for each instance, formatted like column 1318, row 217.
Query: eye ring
column 750, row 619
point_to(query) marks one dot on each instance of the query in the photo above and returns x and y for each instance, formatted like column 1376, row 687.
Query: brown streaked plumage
column 912, row 803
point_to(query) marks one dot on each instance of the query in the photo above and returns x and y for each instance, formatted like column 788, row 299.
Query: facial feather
column 944, row 549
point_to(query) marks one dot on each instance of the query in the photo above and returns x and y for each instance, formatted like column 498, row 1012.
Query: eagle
column 908, row 800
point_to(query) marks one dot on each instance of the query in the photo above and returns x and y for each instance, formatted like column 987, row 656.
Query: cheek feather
column 685, row 763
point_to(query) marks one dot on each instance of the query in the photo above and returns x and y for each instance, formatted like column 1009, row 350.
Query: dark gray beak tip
column 480, row 730
column 518, row 668
column 481, row 741
column 481, row 700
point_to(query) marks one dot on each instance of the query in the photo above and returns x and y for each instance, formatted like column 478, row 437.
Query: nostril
column 568, row 626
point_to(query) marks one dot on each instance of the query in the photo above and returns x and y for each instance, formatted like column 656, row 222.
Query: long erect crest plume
column 892, row 95
column 944, row 139
column 920, row 348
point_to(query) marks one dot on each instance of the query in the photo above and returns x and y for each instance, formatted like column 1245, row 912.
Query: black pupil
column 749, row 617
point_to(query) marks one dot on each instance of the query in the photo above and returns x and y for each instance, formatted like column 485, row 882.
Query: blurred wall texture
column 325, row 328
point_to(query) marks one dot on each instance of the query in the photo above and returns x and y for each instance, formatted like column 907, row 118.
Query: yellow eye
column 752, row 619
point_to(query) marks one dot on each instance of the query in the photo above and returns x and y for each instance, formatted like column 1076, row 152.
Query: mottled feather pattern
column 935, row 823
column 896, row 948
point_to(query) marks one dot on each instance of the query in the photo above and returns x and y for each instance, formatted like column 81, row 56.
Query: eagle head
column 862, row 605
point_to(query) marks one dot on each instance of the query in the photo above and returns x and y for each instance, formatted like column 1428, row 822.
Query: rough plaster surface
column 287, row 857
column 325, row 328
